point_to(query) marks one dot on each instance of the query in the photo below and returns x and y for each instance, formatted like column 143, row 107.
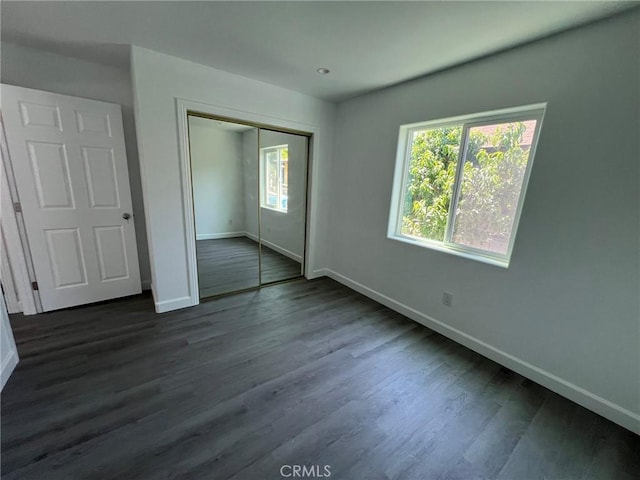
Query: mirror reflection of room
column 223, row 185
column 283, row 179
column 249, row 197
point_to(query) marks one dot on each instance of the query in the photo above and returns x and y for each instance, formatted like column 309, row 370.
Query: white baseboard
column 251, row 236
column 282, row 251
column 8, row 365
column 174, row 304
column 321, row 272
column 276, row 248
column 215, row 236
column 579, row 395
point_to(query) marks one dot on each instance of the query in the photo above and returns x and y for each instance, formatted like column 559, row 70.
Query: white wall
column 566, row 311
column 218, row 183
column 281, row 231
column 158, row 80
column 31, row 68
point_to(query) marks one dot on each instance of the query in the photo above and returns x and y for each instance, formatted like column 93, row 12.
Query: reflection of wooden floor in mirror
column 230, row 264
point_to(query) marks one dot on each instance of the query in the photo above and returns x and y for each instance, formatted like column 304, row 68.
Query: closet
column 250, row 201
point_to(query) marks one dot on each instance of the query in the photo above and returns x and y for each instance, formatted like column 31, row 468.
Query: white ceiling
column 367, row 45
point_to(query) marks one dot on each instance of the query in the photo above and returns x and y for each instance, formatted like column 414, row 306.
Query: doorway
column 249, row 197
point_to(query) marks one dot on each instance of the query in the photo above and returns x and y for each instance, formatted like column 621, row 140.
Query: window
column 275, row 173
column 460, row 182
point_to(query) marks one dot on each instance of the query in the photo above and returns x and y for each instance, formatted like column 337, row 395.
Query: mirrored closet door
column 283, row 181
column 249, row 198
column 225, row 190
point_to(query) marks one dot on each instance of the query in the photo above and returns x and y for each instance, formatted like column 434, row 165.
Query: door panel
column 94, row 122
column 40, row 115
column 70, row 168
column 111, row 252
column 100, row 170
column 50, row 167
column 67, row 260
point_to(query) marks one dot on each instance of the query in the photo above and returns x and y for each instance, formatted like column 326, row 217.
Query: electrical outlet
column 447, row 299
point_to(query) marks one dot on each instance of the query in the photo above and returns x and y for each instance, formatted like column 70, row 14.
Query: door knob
column 126, row 216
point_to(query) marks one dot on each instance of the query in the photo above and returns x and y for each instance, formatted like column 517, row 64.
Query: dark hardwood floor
column 231, row 264
column 301, row 373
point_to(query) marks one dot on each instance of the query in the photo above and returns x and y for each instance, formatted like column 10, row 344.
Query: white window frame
column 403, row 159
column 263, row 178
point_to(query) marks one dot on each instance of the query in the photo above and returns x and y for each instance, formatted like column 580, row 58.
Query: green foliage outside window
column 495, row 164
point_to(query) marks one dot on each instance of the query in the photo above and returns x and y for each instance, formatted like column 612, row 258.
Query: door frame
column 184, row 108
column 14, row 236
column 8, row 360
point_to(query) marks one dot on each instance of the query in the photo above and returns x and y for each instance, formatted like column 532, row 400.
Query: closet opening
column 249, row 196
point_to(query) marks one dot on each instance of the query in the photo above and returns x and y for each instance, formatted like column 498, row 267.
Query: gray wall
column 30, row 68
column 217, row 176
column 566, row 310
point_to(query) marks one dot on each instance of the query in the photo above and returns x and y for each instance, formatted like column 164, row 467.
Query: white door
column 70, row 169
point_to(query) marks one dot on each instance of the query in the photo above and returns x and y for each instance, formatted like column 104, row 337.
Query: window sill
column 440, row 247
column 271, row 209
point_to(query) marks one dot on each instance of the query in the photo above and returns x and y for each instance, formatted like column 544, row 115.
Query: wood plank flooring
column 303, row 373
column 231, row 264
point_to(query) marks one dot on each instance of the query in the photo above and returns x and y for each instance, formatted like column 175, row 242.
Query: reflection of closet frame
column 188, row 109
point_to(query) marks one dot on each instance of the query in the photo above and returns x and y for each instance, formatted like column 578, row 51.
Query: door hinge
column 17, row 207
column 34, row 285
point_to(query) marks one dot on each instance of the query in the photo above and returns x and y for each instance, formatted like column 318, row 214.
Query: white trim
column 215, row 236
column 440, row 247
column 182, row 107
column 617, row 414
column 283, row 212
column 143, row 179
column 153, row 294
column 321, row 272
column 173, row 304
column 8, row 283
column 251, row 236
column 187, row 202
column 455, row 194
column 478, row 118
column 15, row 235
column 282, row 251
column 7, row 367
column 277, row 248
column 9, row 362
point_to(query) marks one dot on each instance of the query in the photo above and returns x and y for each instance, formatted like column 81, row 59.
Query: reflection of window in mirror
column 274, row 163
